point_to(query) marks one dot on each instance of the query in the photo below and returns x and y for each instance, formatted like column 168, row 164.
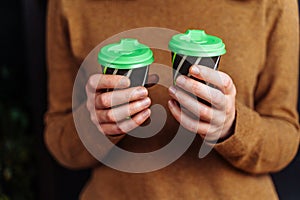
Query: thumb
column 152, row 80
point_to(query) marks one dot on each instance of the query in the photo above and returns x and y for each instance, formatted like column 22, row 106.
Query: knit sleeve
column 266, row 138
column 61, row 136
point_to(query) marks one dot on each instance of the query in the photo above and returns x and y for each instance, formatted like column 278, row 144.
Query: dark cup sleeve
column 182, row 63
column 137, row 76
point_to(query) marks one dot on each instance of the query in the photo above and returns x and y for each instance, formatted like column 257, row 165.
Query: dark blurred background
column 27, row 171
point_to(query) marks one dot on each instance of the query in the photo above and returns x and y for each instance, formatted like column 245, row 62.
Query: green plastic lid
column 197, row 43
column 127, row 54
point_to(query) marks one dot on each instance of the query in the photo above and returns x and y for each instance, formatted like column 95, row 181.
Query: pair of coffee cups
column 132, row 59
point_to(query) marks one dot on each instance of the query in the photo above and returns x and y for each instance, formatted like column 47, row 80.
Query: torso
column 93, row 21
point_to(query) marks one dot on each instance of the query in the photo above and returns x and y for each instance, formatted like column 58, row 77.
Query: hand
column 212, row 122
column 111, row 111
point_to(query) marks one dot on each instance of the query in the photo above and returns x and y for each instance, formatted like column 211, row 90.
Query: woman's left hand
column 211, row 122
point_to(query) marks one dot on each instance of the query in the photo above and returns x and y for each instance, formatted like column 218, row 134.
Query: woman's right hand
column 118, row 111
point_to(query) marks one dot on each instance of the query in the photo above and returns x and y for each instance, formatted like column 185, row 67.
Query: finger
column 152, row 80
column 101, row 81
column 118, row 97
column 192, row 125
column 90, row 97
column 209, row 94
column 219, row 79
column 126, row 125
column 122, row 112
column 200, row 110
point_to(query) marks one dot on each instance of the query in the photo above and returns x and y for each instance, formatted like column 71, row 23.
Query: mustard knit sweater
column 261, row 38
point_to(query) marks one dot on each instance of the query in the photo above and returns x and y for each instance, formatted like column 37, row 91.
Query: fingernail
column 180, row 80
column 171, row 103
column 195, row 70
column 124, row 82
column 146, row 113
column 172, row 90
column 145, row 102
column 141, row 92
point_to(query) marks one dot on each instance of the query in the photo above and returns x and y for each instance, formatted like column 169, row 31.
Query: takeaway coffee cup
column 195, row 47
column 128, row 58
